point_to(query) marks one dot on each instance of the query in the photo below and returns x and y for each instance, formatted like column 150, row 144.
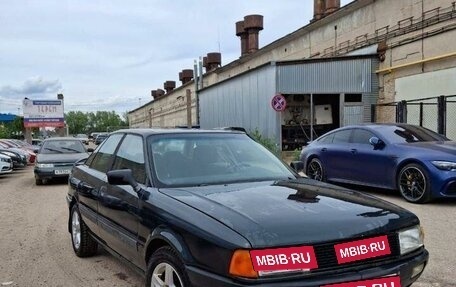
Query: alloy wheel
column 315, row 170
column 412, row 183
column 164, row 275
column 76, row 229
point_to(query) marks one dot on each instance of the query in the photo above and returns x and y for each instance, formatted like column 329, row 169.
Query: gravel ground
column 35, row 246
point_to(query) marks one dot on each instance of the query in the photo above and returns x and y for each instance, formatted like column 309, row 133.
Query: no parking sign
column 279, row 103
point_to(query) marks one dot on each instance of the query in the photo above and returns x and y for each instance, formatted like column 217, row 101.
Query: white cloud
column 36, row 86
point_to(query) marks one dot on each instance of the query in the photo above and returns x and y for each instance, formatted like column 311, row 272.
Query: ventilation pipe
column 186, row 76
column 213, row 61
column 253, row 24
column 169, row 86
column 319, row 9
column 160, row 93
column 240, row 31
column 331, row 6
column 153, row 93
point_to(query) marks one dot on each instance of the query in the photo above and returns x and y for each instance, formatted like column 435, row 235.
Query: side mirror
column 376, row 142
column 122, row 177
column 90, row 149
column 36, row 150
column 297, row 166
column 81, row 161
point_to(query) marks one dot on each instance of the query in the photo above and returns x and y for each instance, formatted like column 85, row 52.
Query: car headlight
column 43, row 165
column 444, row 165
column 411, row 239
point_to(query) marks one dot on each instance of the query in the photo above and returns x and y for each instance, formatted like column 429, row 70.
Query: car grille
column 63, row 164
column 327, row 259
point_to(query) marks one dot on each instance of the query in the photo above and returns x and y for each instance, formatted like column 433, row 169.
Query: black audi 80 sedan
column 214, row 208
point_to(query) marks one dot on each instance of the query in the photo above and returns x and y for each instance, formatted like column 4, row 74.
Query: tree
column 77, row 122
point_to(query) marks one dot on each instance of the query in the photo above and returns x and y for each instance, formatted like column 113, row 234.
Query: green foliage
column 100, row 121
column 268, row 143
column 296, row 154
column 13, row 129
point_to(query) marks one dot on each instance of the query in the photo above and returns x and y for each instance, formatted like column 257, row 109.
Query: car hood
column 444, row 147
column 62, row 157
column 294, row 212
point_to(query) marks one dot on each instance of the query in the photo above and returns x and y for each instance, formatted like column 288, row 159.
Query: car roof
column 61, row 139
column 154, row 131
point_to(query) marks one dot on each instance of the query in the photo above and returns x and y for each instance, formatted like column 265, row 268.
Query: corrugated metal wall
column 326, row 77
column 242, row 101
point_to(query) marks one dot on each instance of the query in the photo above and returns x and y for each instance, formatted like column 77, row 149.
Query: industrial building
column 329, row 72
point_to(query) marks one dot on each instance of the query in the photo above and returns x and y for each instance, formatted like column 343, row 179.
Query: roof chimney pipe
column 169, row 86
column 186, row 76
column 153, row 93
column 241, row 32
column 319, row 9
column 160, row 93
column 213, row 61
column 253, row 24
column 331, row 6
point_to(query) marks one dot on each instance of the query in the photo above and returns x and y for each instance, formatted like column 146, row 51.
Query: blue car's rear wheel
column 413, row 184
column 315, row 170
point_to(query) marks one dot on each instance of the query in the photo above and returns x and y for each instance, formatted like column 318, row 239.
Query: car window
column 327, row 139
column 62, row 147
column 103, row 157
column 205, row 159
column 361, row 136
column 131, row 155
column 342, row 136
column 410, row 134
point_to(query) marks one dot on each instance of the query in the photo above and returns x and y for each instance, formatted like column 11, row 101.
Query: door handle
column 324, row 149
column 353, row 150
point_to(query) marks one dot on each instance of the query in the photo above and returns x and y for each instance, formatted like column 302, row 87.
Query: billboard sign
column 43, row 113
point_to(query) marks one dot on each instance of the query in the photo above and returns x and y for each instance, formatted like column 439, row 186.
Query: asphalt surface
column 35, row 246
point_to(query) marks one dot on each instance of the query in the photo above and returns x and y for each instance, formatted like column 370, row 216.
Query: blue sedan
column 418, row 162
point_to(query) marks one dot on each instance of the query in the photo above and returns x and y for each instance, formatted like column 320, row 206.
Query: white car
column 6, row 164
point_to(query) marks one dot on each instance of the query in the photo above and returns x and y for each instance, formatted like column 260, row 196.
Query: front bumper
column 52, row 172
column 403, row 268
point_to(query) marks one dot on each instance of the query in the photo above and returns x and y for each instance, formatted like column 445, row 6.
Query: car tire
column 315, row 170
column 413, row 183
column 38, row 181
column 81, row 240
column 164, row 260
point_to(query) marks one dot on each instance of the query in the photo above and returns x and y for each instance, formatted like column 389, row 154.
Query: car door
column 370, row 165
column 119, row 204
column 337, row 154
column 90, row 178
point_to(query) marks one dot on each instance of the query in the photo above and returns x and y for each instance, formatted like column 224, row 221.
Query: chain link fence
column 435, row 113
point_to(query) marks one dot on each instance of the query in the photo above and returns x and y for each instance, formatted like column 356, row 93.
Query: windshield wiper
column 54, row 150
column 70, row 149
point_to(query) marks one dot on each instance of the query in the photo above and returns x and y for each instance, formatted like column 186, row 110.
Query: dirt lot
column 35, row 246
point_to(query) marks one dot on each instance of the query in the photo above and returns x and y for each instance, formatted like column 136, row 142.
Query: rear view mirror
column 90, row 149
column 123, row 177
column 297, row 166
column 376, row 142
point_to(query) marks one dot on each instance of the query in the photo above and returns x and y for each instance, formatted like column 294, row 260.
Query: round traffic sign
column 279, row 103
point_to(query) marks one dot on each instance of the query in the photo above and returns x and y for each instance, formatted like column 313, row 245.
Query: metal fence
column 435, row 113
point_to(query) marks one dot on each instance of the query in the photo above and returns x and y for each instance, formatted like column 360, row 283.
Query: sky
column 109, row 54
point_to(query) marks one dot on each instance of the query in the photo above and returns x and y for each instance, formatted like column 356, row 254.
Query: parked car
column 83, row 137
column 17, row 159
column 29, row 155
column 215, row 208
column 6, row 164
column 418, row 162
column 100, row 138
column 56, row 157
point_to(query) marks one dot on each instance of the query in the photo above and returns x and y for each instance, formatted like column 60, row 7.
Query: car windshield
column 62, row 146
column 212, row 158
column 410, row 134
